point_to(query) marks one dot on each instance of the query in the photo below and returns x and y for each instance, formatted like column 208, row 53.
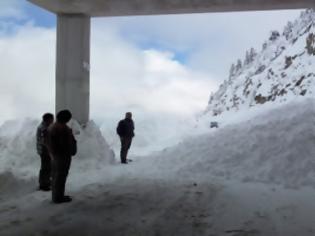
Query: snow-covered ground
column 255, row 175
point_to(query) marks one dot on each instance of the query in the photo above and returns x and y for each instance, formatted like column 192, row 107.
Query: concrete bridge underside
column 73, row 35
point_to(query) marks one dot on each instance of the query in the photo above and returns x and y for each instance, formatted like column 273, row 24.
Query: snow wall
column 18, row 147
column 277, row 146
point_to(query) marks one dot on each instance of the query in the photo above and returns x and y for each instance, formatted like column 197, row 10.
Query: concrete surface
column 72, row 66
column 152, row 7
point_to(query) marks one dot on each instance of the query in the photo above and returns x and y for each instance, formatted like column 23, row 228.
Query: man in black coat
column 62, row 145
column 125, row 130
column 42, row 150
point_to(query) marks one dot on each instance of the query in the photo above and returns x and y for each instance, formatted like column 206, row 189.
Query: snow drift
column 18, row 149
column 274, row 147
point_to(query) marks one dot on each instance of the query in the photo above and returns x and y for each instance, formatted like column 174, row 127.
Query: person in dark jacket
column 62, row 145
column 125, row 130
column 42, row 150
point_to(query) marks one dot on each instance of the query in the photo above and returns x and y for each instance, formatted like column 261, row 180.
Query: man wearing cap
column 62, row 145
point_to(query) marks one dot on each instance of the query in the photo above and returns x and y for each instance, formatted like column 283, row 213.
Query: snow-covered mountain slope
column 282, row 70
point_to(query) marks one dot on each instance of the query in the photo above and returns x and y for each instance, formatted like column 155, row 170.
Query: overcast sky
column 148, row 64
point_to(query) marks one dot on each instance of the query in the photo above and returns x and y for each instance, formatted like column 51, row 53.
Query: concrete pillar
column 73, row 65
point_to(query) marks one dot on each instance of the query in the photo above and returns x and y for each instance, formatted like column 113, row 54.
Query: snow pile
column 18, row 149
column 281, row 71
column 17, row 145
column 93, row 149
column 274, row 147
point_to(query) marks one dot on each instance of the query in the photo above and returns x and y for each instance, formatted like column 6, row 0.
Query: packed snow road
column 122, row 206
column 129, row 204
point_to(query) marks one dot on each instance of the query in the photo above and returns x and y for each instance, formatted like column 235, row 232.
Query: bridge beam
column 154, row 7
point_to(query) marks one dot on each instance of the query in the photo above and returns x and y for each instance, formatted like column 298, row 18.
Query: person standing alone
column 62, row 146
column 125, row 130
column 42, row 150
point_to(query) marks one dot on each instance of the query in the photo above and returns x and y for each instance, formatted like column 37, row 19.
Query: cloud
column 27, row 71
column 210, row 42
column 11, row 9
column 123, row 77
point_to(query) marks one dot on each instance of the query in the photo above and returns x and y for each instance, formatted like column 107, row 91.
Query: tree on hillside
column 238, row 66
column 264, row 46
column 274, row 35
column 288, row 30
column 307, row 16
column 232, row 71
column 310, row 44
column 250, row 56
column 247, row 59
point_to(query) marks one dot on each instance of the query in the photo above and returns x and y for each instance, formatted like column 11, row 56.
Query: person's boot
column 63, row 199
column 44, row 188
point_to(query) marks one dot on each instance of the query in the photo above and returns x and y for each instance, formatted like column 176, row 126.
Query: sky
column 155, row 66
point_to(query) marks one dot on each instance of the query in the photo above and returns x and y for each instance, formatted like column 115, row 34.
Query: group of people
column 56, row 145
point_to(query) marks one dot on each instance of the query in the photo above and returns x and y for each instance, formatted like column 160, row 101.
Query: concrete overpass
column 73, row 35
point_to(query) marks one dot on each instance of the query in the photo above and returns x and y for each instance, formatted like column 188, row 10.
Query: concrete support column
column 73, row 65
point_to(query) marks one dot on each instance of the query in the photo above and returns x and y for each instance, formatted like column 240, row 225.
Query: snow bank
column 17, row 145
column 18, row 149
column 274, row 147
column 93, row 150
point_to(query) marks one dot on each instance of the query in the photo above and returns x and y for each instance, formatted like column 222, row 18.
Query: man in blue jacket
column 125, row 130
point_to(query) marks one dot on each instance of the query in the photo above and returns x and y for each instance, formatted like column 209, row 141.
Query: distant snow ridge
column 275, row 147
column 18, row 150
column 282, row 70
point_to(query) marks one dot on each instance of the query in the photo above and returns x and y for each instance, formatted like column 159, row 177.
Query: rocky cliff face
column 283, row 69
